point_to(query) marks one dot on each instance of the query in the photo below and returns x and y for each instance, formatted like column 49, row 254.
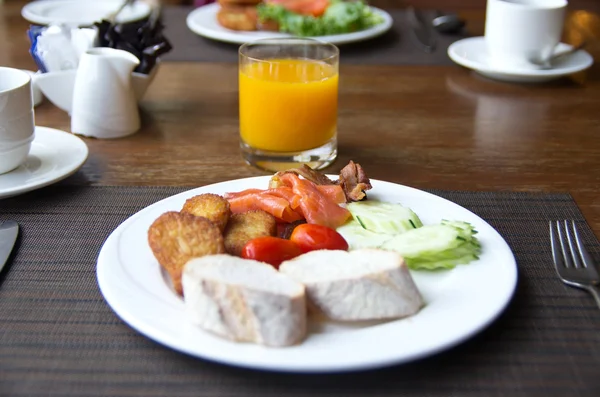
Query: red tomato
column 271, row 250
column 315, row 8
column 311, row 237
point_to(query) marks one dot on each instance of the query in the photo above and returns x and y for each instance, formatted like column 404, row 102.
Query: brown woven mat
column 393, row 48
column 58, row 336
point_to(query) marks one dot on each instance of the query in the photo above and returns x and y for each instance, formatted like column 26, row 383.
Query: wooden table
column 427, row 127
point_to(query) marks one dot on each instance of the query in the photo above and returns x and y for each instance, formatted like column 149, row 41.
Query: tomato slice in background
column 315, row 8
column 311, row 237
column 271, row 250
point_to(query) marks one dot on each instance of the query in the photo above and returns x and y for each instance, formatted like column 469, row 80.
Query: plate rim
column 102, row 274
column 75, row 142
column 527, row 73
column 30, row 15
column 234, row 37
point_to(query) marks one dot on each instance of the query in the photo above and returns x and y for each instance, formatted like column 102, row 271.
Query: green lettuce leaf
column 340, row 17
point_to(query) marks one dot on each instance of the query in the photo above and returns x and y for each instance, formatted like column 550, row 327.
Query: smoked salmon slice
column 293, row 200
column 276, row 206
column 316, row 207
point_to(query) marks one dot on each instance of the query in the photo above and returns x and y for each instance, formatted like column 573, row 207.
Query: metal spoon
column 448, row 24
column 548, row 63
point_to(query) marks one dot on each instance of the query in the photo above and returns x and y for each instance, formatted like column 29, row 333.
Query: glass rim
column 289, row 41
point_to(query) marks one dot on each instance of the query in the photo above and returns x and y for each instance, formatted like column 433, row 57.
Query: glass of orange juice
column 288, row 103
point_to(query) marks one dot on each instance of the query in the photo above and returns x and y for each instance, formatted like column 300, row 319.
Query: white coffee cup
column 521, row 33
column 17, row 124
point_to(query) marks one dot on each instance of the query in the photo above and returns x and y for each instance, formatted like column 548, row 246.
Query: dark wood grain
column 427, row 127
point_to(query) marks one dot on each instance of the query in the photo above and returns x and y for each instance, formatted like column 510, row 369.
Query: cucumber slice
column 417, row 264
column 437, row 247
column 358, row 237
column 384, row 218
column 426, row 240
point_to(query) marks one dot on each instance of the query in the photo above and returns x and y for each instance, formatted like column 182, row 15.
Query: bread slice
column 365, row 284
column 244, row 300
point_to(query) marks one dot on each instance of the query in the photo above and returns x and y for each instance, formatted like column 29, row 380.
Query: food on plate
column 238, row 16
column 357, row 285
column 352, row 179
column 244, row 300
column 253, row 260
column 310, row 237
column 213, row 207
column 294, row 200
column 394, row 227
column 354, row 182
column 298, row 17
column 358, row 237
column 176, row 237
column 304, row 238
column 285, row 230
column 271, row 250
column 385, row 218
column 305, row 172
column 440, row 246
column 246, row 226
column 224, row 3
column 318, row 17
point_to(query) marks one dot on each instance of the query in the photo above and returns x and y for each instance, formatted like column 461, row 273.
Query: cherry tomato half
column 311, row 237
column 271, row 250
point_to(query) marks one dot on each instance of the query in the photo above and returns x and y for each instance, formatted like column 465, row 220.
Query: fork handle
column 595, row 294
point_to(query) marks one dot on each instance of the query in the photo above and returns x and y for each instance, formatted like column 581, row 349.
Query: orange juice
column 288, row 105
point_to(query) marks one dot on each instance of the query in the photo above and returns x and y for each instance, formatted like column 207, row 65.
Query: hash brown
column 213, row 207
column 176, row 237
column 247, row 226
column 238, row 17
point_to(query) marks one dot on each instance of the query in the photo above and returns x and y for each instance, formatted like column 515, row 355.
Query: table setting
column 292, row 204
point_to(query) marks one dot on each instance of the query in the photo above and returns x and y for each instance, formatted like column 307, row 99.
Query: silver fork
column 574, row 265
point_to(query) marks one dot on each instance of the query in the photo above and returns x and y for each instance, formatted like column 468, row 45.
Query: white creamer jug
column 104, row 102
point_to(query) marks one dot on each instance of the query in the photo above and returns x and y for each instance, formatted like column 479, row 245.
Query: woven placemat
column 393, row 48
column 58, row 336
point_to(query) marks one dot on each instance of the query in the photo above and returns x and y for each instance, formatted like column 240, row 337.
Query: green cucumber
column 384, row 218
column 436, row 246
column 358, row 237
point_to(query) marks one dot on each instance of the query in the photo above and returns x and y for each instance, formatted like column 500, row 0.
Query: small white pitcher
column 104, row 102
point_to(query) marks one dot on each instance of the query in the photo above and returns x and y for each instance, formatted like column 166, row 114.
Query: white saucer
column 54, row 155
column 82, row 12
column 472, row 53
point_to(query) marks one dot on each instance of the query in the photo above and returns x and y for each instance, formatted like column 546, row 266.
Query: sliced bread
column 365, row 284
column 244, row 300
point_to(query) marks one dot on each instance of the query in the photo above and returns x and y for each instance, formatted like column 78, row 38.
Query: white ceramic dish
column 472, row 53
column 460, row 302
column 203, row 21
column 59, row 87
column 54, row 155
column 81, row 13
column 35, row 89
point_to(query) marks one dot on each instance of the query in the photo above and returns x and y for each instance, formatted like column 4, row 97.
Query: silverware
column 8, row 236
column 574, row 265
column 549, row 63
column 421, row 31
column 447, row 23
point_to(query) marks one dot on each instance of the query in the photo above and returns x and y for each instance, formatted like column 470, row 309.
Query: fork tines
column 564, row 251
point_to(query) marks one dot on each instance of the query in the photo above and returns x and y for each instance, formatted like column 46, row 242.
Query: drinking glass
column 288, row 94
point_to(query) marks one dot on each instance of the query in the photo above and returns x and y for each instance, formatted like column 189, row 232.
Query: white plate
column 54, row 155
column 203, row 21
column 81, row 12
column 472, row 53
column 460, row 302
